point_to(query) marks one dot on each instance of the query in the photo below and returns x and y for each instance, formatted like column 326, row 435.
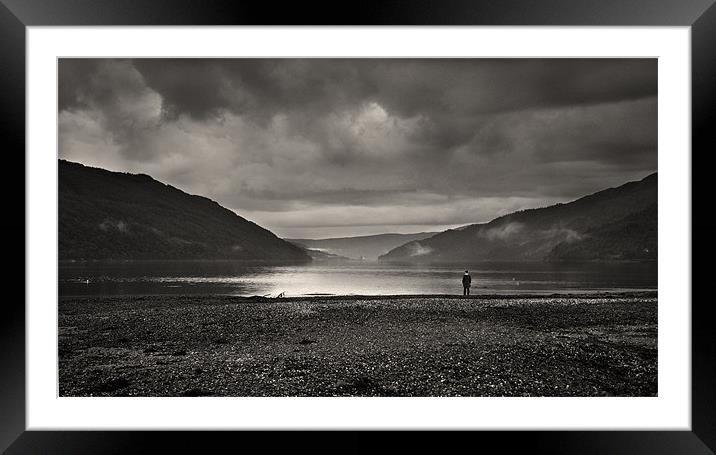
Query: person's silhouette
column 466, row 281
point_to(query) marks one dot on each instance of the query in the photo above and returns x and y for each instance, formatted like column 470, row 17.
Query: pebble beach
column 543, row 345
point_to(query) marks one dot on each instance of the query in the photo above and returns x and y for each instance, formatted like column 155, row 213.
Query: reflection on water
column 365, row 278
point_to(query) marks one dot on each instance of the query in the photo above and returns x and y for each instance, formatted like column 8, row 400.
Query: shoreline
column 596, row 294
column 496, row 345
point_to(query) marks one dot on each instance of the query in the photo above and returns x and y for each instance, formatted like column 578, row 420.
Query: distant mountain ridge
column 114, row 215
column 367, row 246
column 613, row 224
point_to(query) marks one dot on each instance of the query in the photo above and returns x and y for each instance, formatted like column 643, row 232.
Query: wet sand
column 566, row 345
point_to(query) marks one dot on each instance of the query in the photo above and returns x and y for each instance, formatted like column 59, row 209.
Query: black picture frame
column 16, row 15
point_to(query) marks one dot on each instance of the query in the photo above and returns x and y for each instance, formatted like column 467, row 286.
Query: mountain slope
column 368, row 246
column 633, row 237
column 113, row 215
column 617, row 223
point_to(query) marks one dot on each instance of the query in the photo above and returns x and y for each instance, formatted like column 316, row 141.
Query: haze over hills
column 322, row 256
column 368, row 247
column 614, row 224
column 114, row 215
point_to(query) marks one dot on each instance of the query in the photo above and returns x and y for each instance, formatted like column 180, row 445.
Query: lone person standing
column 466, row 280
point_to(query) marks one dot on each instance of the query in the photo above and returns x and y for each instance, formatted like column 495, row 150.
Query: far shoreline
column 362, row 261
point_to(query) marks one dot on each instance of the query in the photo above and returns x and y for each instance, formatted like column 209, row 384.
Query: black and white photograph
column 350, row 227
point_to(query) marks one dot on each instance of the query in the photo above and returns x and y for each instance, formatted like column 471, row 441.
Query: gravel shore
column 566, row 345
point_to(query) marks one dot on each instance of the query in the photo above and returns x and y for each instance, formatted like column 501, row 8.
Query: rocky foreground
column 589, row 345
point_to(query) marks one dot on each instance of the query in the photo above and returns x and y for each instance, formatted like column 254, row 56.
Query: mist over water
column 352, row 278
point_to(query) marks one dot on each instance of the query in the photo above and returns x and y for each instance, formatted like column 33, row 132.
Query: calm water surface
column 364, row 278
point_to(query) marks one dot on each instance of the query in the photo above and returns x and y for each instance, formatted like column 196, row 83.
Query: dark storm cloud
column 203, row 88
column 407, row 87
column 463, row 139
column 75, row 82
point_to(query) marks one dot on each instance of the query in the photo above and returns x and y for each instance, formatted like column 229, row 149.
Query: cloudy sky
column 326, row 147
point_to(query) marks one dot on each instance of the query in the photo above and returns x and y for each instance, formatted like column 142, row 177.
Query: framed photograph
column 420, row 216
